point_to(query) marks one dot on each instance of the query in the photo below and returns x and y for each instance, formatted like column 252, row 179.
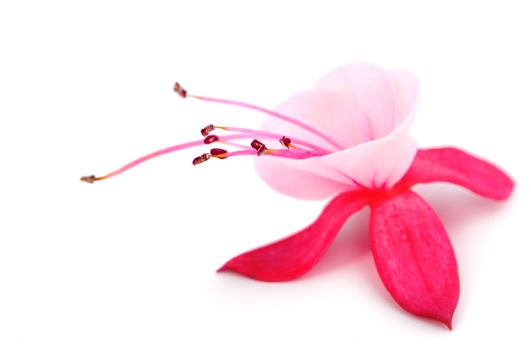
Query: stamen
column 267, row 134
column 207, row 130
column 290, row 153
column 283, row 153
column 247, row 152
column 285, row 141
column 259, row 147
column 210, row 139
column 201, row 159
column 143, row 159
column 218, row 152
column 92, row 178
column 272, row 113
column 180, row 90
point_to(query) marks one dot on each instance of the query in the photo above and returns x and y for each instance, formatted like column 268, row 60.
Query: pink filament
column 166, row 151
column 283, row 153
column 294, row 154
column 152, row 155
column 273, row 114
column 260, row 133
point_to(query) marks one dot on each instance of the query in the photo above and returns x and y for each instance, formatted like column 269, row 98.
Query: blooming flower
column 348, row 138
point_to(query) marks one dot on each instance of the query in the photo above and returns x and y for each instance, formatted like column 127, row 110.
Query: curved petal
column 330, row 112
column 414, row 256
column 371, row 88
column 376, row 164
column 460, row 168
column 407, row 90
column 291, row 257
column 366, row 110
column 297, row 183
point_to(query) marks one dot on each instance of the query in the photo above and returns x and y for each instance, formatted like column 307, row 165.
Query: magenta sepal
column 460, row 168
column 292, row 256
column 411, row 249
column 414, row 256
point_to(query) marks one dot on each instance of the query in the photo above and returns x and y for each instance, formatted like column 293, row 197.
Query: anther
column 90, row 179
column 259, row 147
column 217, row 152
column 210, row 139
column 285, row 141
column 207, row 130
column 180, row 90
column 201, row 159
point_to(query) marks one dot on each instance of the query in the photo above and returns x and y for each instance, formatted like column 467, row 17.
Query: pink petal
column 297, row 183
column 291, row 257
column 340, row 110
column 407, row 90
column 455, row 166
column 376, row 164
column 329, row 112
column 371, row 88
column 414, row 256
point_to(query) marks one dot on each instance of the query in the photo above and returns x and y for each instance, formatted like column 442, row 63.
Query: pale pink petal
column 360, row 102
column 414, row 256
column 455, row 166
column 291, row 257
column 376, row 164
column 371, row 88
column 297, row 183
column 407, row 90
column 329, row 112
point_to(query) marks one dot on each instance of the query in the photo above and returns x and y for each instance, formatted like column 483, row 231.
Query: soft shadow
column 456, row 206
column 465, row 216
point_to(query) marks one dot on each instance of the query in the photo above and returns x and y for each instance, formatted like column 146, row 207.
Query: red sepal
column 414, row 256
column 460, row 168
column 292, row 256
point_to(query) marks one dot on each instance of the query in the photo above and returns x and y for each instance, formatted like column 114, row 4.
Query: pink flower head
column 348, row 138
column 365, row 113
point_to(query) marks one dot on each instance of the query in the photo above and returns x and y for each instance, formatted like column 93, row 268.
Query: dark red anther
column 259, row 147
column 180, row 90
column 210, row 139
column 207, row 130
column 285, row 141
column 201, row 159
column 217, row 152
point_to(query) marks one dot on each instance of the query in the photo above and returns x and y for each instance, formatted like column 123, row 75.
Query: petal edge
column 458, row 167
column 414, row 256
column 294, row 255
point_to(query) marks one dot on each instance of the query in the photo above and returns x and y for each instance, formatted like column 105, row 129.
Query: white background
column 130, row 263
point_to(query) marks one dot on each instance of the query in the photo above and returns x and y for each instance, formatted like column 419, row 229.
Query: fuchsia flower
column 348, row 138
